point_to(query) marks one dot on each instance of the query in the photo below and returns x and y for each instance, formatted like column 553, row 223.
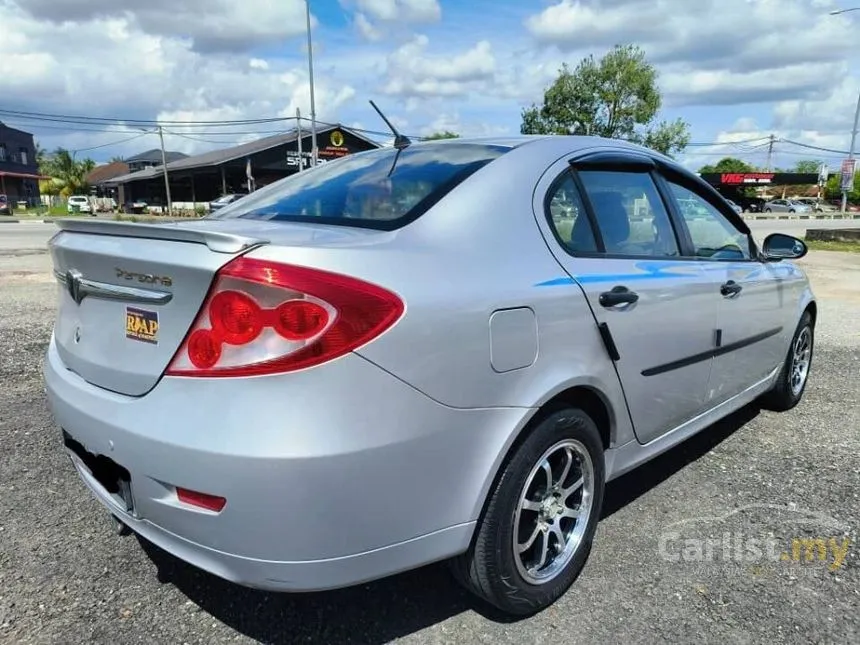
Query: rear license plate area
column 112, row 477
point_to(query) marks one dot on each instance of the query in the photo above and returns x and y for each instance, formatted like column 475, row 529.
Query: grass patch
column 821, row 245
column 146, row 219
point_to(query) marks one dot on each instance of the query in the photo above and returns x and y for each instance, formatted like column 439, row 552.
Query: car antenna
column 400, row 141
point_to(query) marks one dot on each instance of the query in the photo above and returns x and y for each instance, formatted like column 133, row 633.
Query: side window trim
column 665, row 177
column 589, row 212
column 682, row 231
column 567, row 173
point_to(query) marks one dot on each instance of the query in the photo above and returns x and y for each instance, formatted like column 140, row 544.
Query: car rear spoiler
column 216, row 241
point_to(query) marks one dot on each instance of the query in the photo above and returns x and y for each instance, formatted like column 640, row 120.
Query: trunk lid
column 129, row 292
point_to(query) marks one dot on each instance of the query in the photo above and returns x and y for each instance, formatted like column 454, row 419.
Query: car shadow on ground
column 627, row 488
column 385, row 610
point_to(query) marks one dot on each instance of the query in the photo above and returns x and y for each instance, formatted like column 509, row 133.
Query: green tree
column 728, row 164
column 445, row 134
column 69, row 176
column 833, row 190
column 614, row 97
column 810, row 166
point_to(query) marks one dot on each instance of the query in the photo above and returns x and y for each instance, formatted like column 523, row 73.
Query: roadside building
column 202, row 178
column 151, row 159
column 19, row 172
column 101, row 175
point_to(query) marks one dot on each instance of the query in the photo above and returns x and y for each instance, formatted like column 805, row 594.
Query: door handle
column 617, row 296
column 730, row 288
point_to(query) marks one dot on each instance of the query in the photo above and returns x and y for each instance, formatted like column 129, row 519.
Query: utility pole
column 770, row 153
column 836, row 12
column 851, row 150
column 166, row 180
column 311, row 79
column 299, row 139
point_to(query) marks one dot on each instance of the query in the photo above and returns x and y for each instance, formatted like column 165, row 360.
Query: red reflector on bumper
column 201, row 500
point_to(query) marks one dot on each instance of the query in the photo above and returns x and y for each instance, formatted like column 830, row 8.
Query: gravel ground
column 65, row 577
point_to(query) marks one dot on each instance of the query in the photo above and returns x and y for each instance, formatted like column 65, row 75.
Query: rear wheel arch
column 812, row 308
column 473, row 567
column 586, row 398
column 589, row 400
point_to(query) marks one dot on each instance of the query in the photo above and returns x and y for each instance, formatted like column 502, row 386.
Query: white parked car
column 80, row 204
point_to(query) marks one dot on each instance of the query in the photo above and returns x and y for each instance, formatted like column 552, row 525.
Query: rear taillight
column 263, row 317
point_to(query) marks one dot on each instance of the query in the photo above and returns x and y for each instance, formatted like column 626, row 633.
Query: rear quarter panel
column 479, row 251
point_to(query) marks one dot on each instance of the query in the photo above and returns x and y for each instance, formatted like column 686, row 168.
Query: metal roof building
column 204, row 177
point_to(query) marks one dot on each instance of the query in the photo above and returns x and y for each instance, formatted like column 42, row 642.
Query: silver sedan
column 786, row 206
column 439, row 352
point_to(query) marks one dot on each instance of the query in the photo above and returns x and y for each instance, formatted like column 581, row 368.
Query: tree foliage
column 445, row 134
column 833, row 190
column 614, row 97
column 68, row 175
column 810, row 166
column 728, row 164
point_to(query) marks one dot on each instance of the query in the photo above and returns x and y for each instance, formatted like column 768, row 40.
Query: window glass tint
column 713, row 235
column 568, row 218
column 375, row 189
column 630, row 214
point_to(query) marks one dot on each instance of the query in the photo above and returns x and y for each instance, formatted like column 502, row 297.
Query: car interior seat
column 612, row 218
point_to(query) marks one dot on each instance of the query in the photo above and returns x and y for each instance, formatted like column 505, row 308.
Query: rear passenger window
column 568, row 218
column 630, row 214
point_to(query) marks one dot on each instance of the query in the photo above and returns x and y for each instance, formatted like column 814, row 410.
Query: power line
column 112, row 143
column 203, row 128
column 66, row 118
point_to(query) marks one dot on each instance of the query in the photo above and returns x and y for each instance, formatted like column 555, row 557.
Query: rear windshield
column 377, row 189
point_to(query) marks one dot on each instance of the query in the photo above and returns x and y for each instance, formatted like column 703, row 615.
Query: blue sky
column 736, row 70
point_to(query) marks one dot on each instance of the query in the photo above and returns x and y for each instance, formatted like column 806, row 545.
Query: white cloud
column 376, row 19
column 366, row 28
column 412, row 72
column 115, row 69
column 715, row 50
column 749, row 140
column 411, row 11
column 689, row 86
column 785, row 64
column 211, row 25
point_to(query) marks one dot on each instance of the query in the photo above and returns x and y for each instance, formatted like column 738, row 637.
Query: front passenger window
column 713, row 235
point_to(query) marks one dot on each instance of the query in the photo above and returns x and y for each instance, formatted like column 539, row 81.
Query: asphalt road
column 66, row 578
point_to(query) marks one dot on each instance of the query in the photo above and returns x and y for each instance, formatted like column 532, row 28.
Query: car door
column 655, row 310
column 750, row 338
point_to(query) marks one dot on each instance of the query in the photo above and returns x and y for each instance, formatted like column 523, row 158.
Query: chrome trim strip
column 106, row 291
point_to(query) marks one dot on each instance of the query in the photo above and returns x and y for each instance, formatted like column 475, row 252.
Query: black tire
column 489, row 569
column 767, row 210
column 782, row 397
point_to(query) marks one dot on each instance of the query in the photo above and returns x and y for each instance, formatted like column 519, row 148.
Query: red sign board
column 733, row 178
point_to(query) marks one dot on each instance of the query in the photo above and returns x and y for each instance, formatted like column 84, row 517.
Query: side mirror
column 779, row 246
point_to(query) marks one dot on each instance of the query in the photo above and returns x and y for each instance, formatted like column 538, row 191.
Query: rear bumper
column 371, row 479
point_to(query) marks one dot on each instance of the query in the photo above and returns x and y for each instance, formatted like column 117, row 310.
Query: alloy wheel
column 553, row 512
column 800, row 359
